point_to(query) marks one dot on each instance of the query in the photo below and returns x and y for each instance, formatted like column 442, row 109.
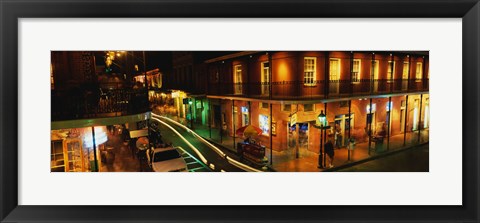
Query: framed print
column 359, row 73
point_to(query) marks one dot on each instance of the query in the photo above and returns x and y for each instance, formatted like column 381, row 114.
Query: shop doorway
column 245, row 116
column 346, row 125
column 426, row 117
column 415, row 115
column 402, row 117
column 370, row 124
column 303, row 139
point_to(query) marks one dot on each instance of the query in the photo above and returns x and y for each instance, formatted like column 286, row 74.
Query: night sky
column 163, row 59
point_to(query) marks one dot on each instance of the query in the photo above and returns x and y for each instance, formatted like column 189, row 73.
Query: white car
column 166, row 160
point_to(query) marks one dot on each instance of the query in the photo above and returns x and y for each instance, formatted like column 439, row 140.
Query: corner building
column 361, row 93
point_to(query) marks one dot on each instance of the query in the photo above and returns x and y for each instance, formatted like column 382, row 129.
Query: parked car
column 166, row 160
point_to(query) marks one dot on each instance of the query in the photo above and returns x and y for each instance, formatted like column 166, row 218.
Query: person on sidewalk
column 338, row 136
column 329, row 151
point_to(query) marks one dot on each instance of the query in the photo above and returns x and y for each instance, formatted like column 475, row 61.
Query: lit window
column 419, row 71
column 405, row 70
column 334, row 69
column 309, row 71
column 237, row 79
column 265, row 77
column 264, row 124
column 356, row 70
column 308, row 107
column 390, row 70
column 52, row 82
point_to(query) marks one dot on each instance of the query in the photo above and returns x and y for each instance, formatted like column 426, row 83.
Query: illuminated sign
column 374, row 108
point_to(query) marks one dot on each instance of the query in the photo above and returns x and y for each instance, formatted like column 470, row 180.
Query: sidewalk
column 286, row 161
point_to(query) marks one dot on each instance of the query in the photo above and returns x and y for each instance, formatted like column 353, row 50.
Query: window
column 405, row 70
column 419, row 71
column 308, row 107
column 52, row 82
column 287, row 107
column 264, row 105
column 309, row 71
column 390, row 70
column 264, row 124
column 356, row 70
column 237, row 79
column 375, row 68
column 265, row 77
column 334, row 69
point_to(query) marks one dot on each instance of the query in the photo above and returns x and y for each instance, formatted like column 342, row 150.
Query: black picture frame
column 11, row 11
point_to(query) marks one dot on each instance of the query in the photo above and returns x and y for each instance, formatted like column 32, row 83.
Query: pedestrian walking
column 329, row 151
column 338, row 136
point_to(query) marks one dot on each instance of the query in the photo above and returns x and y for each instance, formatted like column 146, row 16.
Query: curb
column 385, row 154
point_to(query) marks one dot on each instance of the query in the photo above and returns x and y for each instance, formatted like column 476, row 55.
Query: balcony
column 319, row 89
column 77, row 103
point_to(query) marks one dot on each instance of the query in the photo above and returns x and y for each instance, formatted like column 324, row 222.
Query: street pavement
column 410, row 160
column 219, row 162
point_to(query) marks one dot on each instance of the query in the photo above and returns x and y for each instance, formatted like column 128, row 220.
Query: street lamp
column 190, row 102
column 322, row 123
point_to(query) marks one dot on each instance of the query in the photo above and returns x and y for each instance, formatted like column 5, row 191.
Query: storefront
column 76, row 150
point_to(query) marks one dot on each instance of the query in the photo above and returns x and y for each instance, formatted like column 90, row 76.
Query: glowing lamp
column 322, row 119
column 100, row 137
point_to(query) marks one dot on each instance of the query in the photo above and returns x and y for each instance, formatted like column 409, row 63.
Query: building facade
column 363, row 94
column 92, row 108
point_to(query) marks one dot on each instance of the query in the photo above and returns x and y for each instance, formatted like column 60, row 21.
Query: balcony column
column 220, row 127
column 271, row 139
column 420, row 118
column 270, row 68
column 406, row 119
column 326, row 79
column 233, row 123
column 390, row 107
column 424, row 74
column 372, row 74
column 391, row 79
column 409, row 70
column 349, row 124
column 370, row 127
column 94, row 150
column 209, row 117
column 325, row 135
column 351, row 74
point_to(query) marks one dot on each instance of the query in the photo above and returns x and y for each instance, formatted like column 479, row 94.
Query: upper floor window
column 263, row 105
column 308, row 107
column 356, row 70
column 309, row 71
column 405, row 70
column 52, row 81
column 237, row 79
column 287, row 107
column 419, row 71
column 265, row 77
column 390, row 70
column 334, row 69
column 375, row 68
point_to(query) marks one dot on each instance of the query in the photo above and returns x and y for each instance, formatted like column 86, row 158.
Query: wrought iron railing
column 77, row 103
column 318, row 89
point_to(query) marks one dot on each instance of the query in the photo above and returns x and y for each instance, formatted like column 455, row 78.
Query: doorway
column 346, row 124
column 245, row 116
column 425, row 116
column 415, row 115
column 303, row 139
